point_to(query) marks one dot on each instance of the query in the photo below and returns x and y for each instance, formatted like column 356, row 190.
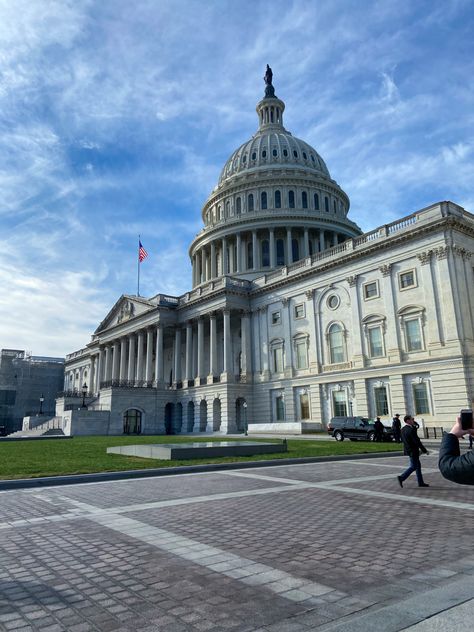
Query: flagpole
column 138, row 267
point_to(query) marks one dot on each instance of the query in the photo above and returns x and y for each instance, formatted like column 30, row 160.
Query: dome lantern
column 270, row 108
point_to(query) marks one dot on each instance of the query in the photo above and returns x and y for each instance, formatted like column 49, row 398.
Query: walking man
column 397, row 428
column 412, row 447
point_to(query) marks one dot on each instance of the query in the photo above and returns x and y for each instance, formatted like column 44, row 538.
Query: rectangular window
column 301, row 355
column 371, row 290
column 375, row 342
column 278, row 360
column 339, row 403
column 304, row 406
column 413, row 334
column 276, row 318
column 420, row 395
column 407, row 279
column 299, row 310
column 381, row 402
column 280, row 408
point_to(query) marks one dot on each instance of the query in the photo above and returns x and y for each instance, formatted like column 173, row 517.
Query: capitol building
column 294, row 315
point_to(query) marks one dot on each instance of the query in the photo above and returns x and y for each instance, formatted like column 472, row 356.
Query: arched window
column 334, row 206
column 285, row 153
column 264, row 153
column 275, row 153
column 336, row 344
column 326, row 204
column 277, row 199
column 291, row 199
column 316, row 202
column 304, row 199
column 249, row 255
column 263, row 200
column 227, row 208
column 238, row 206
column 132, row 421
column 295, row 249
column 250, row 202
column 219, row 212
column 265, row 253
column 280, row 252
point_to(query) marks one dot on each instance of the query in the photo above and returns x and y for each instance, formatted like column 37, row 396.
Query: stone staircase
column 52, row 428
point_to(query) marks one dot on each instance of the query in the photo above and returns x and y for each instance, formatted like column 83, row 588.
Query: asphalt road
column 323, row 546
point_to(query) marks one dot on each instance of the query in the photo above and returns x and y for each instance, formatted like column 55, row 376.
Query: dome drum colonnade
column 275, row 203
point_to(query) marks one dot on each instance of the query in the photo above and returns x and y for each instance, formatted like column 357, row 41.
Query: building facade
column 29, row 386
column 294, row 315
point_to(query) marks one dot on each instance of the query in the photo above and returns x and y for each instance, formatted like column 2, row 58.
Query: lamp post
column 84, row 391
column 41, row 404
column 244, row 405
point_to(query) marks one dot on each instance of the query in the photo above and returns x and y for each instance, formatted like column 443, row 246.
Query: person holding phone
column 453, row 465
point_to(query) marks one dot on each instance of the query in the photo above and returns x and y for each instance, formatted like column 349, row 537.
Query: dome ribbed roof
column 273, row 148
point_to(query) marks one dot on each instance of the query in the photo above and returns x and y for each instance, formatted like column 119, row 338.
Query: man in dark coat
column 397, row 428
column 412, row 447
column 379, row 428
column 452, row 465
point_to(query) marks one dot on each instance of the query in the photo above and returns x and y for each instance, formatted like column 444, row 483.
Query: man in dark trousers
column 412, row 447
column 379, row 428
column 397, row 428
column 453, row 465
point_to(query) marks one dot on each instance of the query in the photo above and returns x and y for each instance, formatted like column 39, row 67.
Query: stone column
column 256, row 336
column 288, row 350
column 289, row 247
column 200, row 351
column 123, row 358
column 306, row 243
column 213, row 347
column 255, row 250
column 264, row 342
column 231, row 258
column 321, row 241
column 246, row 342
column 149, row 356
column 392, row 341
column 115, row 361
column 108, row 368
column 177, row 355
column 239, row 252
column 140, row 340
column 159, row 370
column 189, row 353
column 313, row 340
column 100, row 367
column 131, row 358
column 227, row 346
column 213, row 262
column 357, row 355
column 203, row 265
column 272, row 248
column 429, row 293
column 224, row 256
column 91, row 374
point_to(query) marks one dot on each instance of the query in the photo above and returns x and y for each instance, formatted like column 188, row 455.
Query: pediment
column 126, row 308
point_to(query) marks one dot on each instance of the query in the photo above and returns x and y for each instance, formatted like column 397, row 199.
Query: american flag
column 142, row 253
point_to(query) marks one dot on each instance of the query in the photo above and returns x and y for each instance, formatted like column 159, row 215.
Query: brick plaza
column 292, row 548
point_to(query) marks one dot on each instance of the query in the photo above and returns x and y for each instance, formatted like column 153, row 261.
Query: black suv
column 355, row 429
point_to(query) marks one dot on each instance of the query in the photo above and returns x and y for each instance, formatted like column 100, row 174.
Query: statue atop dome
column 268, row 78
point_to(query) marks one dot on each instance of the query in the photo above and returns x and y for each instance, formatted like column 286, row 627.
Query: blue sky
column 116, row 118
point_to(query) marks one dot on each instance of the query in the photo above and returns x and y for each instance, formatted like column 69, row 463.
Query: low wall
column 295, row 427
column 86, row 422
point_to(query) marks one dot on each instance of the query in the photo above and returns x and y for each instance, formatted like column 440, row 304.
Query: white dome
column 273, row 148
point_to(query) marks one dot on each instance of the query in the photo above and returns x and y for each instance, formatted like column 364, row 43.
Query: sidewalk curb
column 99, row 477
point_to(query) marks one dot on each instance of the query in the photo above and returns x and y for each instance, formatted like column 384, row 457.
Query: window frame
column 275, row 317
column 402, row 288
column 295, row 313
column 365, row 287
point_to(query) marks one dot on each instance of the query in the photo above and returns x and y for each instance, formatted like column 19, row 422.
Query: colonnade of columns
column 138, row 358
column 258, row 249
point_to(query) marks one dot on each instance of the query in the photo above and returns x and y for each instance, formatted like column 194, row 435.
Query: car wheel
column 371, row 436
column 338, row 436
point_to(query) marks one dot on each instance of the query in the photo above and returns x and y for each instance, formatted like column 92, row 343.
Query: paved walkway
column 292, row 548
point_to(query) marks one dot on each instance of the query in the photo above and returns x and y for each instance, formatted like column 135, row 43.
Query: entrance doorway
column 132, row 421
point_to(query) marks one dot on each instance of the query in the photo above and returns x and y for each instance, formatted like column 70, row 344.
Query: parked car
column 355, row 429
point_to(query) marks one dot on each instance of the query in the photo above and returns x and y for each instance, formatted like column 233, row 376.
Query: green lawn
column 84, row 455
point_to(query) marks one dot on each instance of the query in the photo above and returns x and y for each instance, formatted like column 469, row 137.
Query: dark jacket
column 453, row 466
column 411, row 442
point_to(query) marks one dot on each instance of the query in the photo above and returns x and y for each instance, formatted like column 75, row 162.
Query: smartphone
column 466, row 419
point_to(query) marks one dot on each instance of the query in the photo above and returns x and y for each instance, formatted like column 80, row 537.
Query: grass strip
column 86, row 455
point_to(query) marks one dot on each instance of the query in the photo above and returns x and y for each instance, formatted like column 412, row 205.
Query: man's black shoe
column 423, row 485
column 400, row 481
